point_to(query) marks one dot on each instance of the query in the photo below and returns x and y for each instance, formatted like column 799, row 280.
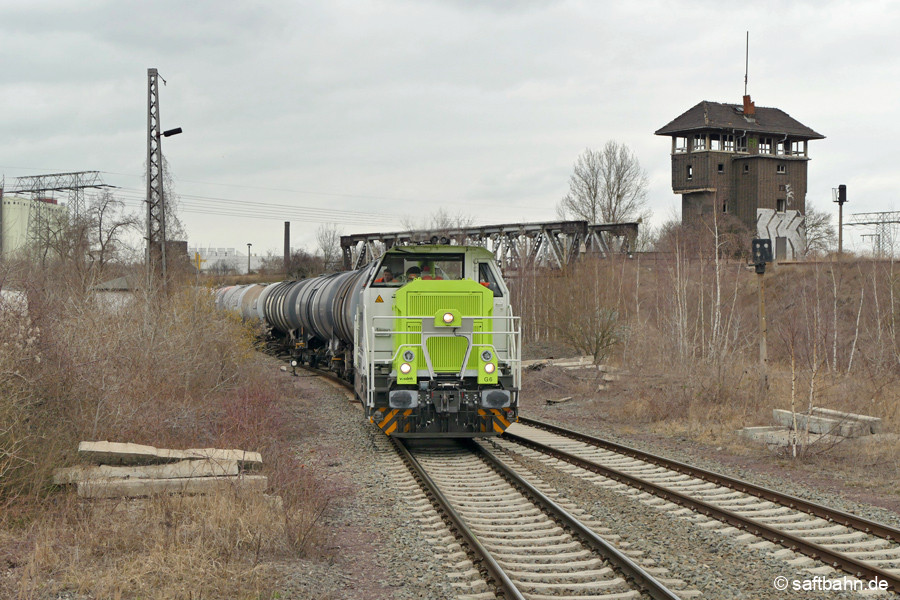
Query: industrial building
column 222, row 260
column 25, row 221
column 745, row 161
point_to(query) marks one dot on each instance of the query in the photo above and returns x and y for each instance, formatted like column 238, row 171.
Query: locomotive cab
column 436, row 346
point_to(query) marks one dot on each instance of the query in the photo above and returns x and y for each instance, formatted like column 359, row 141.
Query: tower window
column 724, row 207
column 715, row 143
column 746, row 168
column 721, row 168
column 699, row 142
column 765, row 145
column 690, row 172
column 779, row 205
column 780, row 169
column 728, row 142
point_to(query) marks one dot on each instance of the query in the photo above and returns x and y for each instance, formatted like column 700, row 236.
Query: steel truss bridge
column 515, row 245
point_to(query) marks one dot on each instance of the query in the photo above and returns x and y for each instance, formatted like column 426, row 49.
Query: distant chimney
column 749, row 107
column 287, row 246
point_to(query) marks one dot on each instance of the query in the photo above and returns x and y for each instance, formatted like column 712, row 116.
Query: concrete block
column 133, row 488
column 178, row 470
column 760, row 432
column 822, row 425
column 874, row 423
column 118, row 453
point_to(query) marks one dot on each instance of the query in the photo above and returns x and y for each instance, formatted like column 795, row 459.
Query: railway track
column 862, row 548
column 528, row 544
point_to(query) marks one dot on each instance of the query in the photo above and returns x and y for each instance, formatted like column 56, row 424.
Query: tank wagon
column 425, row 334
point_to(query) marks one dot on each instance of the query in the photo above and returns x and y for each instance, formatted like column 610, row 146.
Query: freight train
column 425, row 334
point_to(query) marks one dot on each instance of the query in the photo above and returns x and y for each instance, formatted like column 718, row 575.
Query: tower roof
column 716, row 115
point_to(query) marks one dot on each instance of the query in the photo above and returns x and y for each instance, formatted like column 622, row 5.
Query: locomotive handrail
column 512, row 357
column 513, row 350
column 513, row 334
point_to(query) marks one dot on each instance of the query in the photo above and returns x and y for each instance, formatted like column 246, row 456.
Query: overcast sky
column 365, row 113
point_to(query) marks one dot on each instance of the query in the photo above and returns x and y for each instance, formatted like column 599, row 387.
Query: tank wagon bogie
column 425, row 334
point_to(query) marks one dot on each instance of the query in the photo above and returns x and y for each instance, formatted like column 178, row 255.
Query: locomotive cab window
column 487, row 278
column 397, row 270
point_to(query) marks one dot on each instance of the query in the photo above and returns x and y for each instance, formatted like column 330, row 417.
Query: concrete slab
column 178, row 470
column 117, row 453
column 133, row 488
column 823, row 425
column 874, row 423
column 776, row 435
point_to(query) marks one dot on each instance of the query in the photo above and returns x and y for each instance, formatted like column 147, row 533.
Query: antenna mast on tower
column 746, row 62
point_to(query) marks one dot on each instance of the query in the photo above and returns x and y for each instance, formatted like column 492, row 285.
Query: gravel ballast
column 376, row 546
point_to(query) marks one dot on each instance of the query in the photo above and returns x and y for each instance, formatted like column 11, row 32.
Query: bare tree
column 108, row 224
column 174, row 227
column 606, row 186
column 328, row 243
column 820, row 234
column 439, row 220
column 440, row 223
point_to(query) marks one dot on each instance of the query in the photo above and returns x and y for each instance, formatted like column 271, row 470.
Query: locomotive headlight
column 486, row 356
column 405, row 368
column 408, row 356
column 489, row 368
column 448, row 318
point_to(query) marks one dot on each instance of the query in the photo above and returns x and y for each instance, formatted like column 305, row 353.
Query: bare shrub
column 170, row 372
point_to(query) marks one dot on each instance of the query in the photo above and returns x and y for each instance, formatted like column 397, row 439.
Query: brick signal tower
column 746, row 161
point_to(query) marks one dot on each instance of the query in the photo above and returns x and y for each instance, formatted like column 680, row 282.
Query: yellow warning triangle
column 378, row 299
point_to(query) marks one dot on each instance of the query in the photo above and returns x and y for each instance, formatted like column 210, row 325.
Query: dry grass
column 687, row 341
column 172, row 373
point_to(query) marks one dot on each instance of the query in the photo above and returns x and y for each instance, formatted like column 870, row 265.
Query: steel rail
column 631, row 570
column 831, row 514
column 501, row 579
column 853, row 566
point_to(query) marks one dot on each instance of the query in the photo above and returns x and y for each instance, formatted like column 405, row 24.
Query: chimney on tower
column 749, row 107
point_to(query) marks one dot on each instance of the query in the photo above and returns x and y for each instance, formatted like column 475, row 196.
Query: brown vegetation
column 684, row 327
column 139, row 368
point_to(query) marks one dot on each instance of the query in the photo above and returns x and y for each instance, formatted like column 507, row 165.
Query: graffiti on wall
column 786, row 229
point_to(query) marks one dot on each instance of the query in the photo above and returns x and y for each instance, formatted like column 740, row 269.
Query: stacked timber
column 133, row 470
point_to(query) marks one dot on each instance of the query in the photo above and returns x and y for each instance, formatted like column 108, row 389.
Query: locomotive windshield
column 396, row 270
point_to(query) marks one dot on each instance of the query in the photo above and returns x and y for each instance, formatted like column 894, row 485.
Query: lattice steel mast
column 884, row 223
column 75, row 183
column 156, row 208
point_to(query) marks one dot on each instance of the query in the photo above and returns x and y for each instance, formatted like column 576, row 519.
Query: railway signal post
column 762, row 254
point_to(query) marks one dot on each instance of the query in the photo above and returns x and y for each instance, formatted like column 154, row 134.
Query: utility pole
column 884, row 222
column 248, row 257
column 156, row 205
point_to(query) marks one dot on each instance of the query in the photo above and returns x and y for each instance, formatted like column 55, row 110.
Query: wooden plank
column 181, row 469
column 559, row 400
column 133, row 488
column 118, row 453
